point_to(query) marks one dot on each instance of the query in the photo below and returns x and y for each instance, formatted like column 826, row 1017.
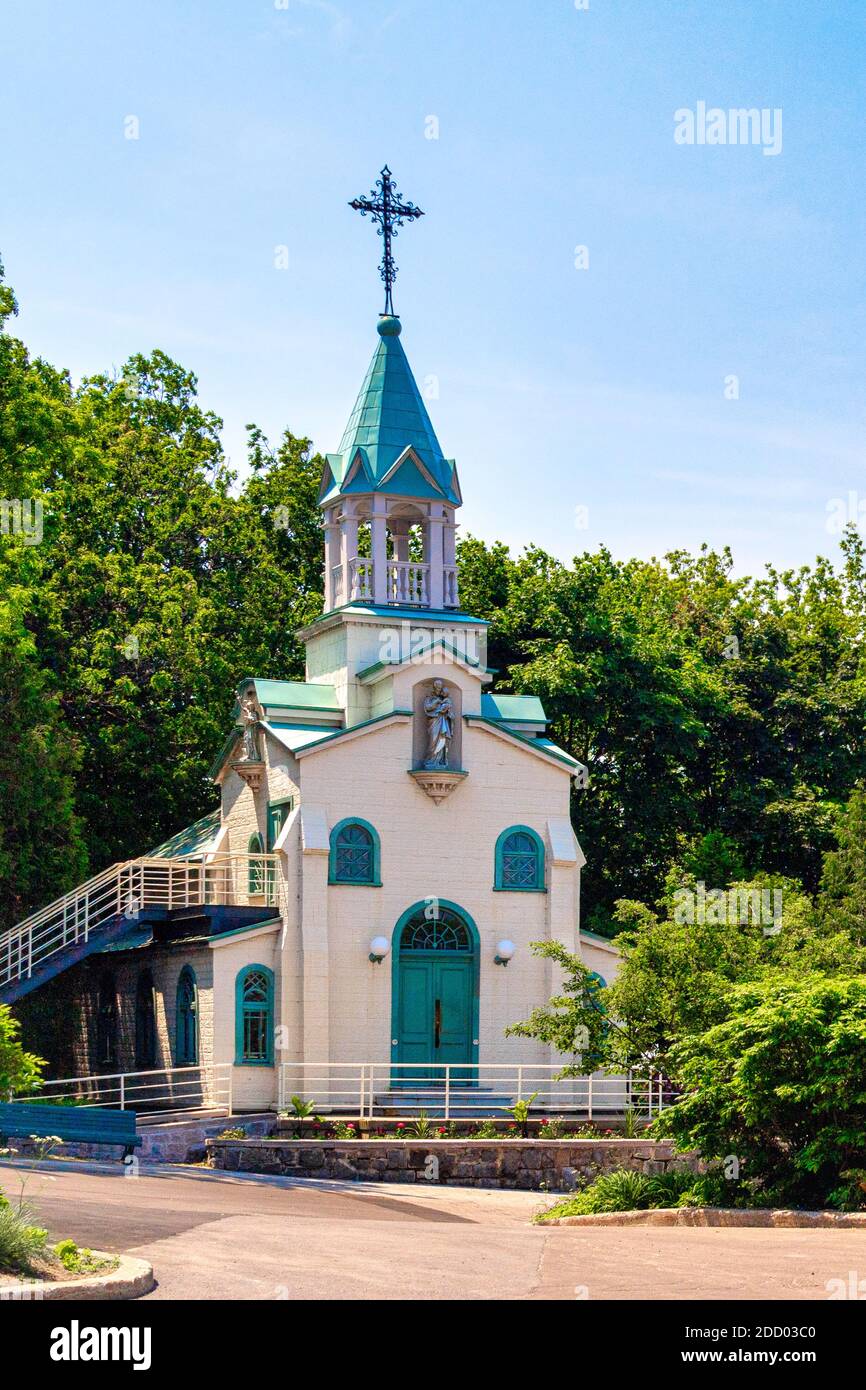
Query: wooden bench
column 74, row 1124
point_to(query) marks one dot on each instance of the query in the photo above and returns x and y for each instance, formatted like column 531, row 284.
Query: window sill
column 500, row 888
column 344, row 883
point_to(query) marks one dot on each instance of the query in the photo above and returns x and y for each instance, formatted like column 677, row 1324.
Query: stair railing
column 123, row 890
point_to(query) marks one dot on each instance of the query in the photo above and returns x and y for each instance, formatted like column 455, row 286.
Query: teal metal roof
column 295, row 736
column 195, row 839
column 294, row 694
column 420, row 617
column 523, row 709
column 389, row 418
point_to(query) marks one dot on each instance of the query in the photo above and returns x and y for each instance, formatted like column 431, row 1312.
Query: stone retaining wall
column 553, row 1165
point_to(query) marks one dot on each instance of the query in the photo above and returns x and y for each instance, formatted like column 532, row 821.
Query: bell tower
column 389, row 495
column 389, row 499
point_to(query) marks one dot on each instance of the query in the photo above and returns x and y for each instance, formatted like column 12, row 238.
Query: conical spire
column 389, row 444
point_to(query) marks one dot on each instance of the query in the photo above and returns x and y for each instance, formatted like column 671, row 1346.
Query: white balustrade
column 126, row 888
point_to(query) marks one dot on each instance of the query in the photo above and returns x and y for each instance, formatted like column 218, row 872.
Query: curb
column 131, row 1279
column 716, row 1216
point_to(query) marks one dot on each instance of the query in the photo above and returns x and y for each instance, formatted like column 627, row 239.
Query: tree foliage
column 19, row 1070
column 778, row 1084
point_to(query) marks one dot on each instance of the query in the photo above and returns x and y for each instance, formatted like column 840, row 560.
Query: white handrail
column 122, row 890
column 167, row 1089
column 367, row 1090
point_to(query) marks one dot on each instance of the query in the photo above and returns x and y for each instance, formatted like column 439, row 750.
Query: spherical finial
column 389, row 326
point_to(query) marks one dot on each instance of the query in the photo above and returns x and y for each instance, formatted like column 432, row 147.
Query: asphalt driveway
column 220, row 1235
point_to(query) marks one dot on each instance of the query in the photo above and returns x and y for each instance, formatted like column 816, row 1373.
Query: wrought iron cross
column 388, row 213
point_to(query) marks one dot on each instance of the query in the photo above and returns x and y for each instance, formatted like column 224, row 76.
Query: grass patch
column 624, row 1190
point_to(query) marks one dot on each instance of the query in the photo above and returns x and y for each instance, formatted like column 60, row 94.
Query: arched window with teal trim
column 256, row 874
column 254, row 1017
column 355, row 854
column 519, row 865
column 186, row 1019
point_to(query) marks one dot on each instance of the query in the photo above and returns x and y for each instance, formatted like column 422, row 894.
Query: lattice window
column 522, row 861
column 354, row 858
column 445, row 932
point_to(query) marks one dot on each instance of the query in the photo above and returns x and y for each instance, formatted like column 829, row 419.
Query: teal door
column 434, row 1016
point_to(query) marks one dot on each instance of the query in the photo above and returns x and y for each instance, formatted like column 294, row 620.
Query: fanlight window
column 354, row 855
column 445, row 932
column 256, row 1015
column 520, row 860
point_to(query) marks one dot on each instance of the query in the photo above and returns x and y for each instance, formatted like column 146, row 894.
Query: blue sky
column 558, row 388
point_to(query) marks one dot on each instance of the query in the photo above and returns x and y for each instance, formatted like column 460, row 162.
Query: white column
column 379, row 550
column 348, row 551
column 434, row 557
column 449, row 548
column 332, row 558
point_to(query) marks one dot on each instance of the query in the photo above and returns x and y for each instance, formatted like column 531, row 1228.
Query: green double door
column 434, row 1016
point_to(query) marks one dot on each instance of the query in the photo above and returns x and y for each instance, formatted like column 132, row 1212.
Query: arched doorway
column 435, row 994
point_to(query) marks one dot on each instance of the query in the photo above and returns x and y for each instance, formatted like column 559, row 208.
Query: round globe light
column 379, row 948
column 504, row 951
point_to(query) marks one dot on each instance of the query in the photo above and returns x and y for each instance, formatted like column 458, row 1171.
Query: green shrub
column 779, row 1085
column 235, row 1133
column 20, row 1242
column 622, row 1190
column 520, row 1110
column 79, row 1260
column 671, row 1189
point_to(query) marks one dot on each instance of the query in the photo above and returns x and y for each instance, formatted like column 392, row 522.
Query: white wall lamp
column 379, row 948
column 504, row 951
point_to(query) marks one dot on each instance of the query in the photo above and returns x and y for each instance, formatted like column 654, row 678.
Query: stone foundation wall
column 555, row 1165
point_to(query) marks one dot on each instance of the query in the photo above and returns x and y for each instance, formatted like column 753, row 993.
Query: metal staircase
column 111, row 904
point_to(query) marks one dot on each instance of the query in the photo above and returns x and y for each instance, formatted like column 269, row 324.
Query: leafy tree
column 701, row 704
column 41, row 848
column 778, row 1083
column 157, row 586
column 19, row 1070
column 677, row 967
column 843, row 882
column 573, row 1022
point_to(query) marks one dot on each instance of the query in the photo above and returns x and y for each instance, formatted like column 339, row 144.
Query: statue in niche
column 251, row 713
column 439, row 713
